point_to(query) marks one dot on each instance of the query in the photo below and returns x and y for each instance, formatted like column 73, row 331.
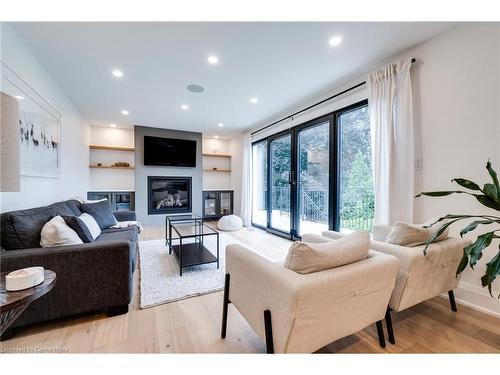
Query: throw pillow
column 90, row 222
column 412, row 235
column 79, row 226
column 101, row 212
column 312, row 257
column 57, row 233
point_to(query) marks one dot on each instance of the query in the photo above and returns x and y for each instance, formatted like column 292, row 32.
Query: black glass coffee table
column 169, row 220
column 193, row 253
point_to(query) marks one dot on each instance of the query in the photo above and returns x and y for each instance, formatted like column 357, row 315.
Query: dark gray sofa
column 90, row 277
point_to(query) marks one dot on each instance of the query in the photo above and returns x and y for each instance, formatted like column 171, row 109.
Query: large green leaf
column 475, row 250
column 475, row 224
column 488, row 202
column 466, row 183
column 439, row 232
column 439, row 193
column 494, row 178
column 492, row 271
column 491, row 192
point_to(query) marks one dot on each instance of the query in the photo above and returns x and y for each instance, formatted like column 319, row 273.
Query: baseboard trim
column 478, row 294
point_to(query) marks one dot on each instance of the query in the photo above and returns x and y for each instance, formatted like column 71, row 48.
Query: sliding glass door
column 259, row 184
column 280, row 155
column 315, row 176
column 355, row 185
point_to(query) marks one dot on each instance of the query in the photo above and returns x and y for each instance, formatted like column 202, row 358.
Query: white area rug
column 160, row 280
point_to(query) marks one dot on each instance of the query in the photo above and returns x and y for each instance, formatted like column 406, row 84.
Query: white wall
column 75, row 133
column 111, row 179
column 236, row 148
column 456, row 104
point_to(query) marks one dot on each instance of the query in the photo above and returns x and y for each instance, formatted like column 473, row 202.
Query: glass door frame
column 291, row 183
column 334, row 166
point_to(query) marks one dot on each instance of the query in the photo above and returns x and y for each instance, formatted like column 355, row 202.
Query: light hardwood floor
column 193, row 325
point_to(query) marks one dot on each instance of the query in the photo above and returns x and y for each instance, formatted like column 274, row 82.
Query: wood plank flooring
column 193, row 325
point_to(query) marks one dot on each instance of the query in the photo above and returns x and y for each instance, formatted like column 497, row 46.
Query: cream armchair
column 419, row 278
column 300, row 313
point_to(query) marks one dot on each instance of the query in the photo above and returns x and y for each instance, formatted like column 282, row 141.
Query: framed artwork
column 39, row 127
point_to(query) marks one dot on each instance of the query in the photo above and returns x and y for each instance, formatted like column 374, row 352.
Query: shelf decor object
column 109, row 167
column 10, row 177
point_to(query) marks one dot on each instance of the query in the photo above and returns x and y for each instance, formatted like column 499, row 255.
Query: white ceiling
column 280, row 63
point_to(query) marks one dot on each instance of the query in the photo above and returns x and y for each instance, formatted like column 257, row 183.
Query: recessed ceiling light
column 19, row 97
column 221, row 124
column 185, row 107
column 213, row 59
column 216, row 136
column 335, row 41
column 117, row 73
column 254, row 100
column 112, row 125
column 125, row 112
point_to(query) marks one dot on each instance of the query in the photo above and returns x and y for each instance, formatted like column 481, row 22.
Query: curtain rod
column 314, row 105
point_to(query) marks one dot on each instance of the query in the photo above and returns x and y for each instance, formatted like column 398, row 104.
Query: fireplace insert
column 169, row 195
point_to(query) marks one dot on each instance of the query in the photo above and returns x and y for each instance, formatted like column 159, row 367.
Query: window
column 356, row 201
column 319, row 174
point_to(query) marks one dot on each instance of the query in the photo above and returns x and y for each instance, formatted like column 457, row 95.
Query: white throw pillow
column 312, row 257
column 57, row 233
column 91, row 224
column 412, row 235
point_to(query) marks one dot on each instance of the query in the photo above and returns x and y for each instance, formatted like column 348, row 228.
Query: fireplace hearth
column 169, row 195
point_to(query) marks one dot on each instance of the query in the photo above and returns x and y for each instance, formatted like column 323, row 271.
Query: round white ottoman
column 229, row 223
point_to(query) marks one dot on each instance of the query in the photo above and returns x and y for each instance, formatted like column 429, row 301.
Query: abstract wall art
column 39, row 128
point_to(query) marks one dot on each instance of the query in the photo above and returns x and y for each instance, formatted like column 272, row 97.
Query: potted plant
column 489, row 196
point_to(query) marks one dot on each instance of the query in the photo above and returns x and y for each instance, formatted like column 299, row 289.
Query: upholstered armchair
column 301, row 313
column 420, row 277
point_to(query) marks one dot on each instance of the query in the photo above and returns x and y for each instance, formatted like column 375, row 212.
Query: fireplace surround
column 169, row 195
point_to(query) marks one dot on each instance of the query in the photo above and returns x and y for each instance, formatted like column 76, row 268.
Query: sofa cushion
column 80, row 227
column 412, row 235
column 57, row 233
column 312, row 257
column 101, row 211
column 21, row 229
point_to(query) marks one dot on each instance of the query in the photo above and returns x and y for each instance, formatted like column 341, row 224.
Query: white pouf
column 230, row 223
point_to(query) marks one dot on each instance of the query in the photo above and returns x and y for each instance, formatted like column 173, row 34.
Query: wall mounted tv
column 169, row 152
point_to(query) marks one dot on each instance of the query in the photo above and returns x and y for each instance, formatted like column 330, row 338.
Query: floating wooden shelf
column 217, row 170
column 111, row 148
column 218, row 155
column 108, row 167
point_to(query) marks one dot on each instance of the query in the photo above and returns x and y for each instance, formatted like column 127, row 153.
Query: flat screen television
column 169, row 152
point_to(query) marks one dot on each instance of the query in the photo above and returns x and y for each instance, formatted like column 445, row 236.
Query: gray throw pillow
column 79, row 227
column 101, row 212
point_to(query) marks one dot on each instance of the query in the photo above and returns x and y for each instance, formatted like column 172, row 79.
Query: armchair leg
column 453, row 305
column 390, row 329
column 224, row 306
column 269, row 332
column 380, row 333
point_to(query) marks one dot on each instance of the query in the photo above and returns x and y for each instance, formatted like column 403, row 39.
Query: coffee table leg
column 180, row 255
column 169, row 237
column 217, row 250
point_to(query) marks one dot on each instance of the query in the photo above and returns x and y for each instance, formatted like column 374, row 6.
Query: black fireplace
column 169, row 195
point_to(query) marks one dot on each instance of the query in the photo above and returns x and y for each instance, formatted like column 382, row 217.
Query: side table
column 12, row 304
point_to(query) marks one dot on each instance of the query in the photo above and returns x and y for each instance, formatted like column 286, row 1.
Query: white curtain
column 391, row 123
column 246, row 181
